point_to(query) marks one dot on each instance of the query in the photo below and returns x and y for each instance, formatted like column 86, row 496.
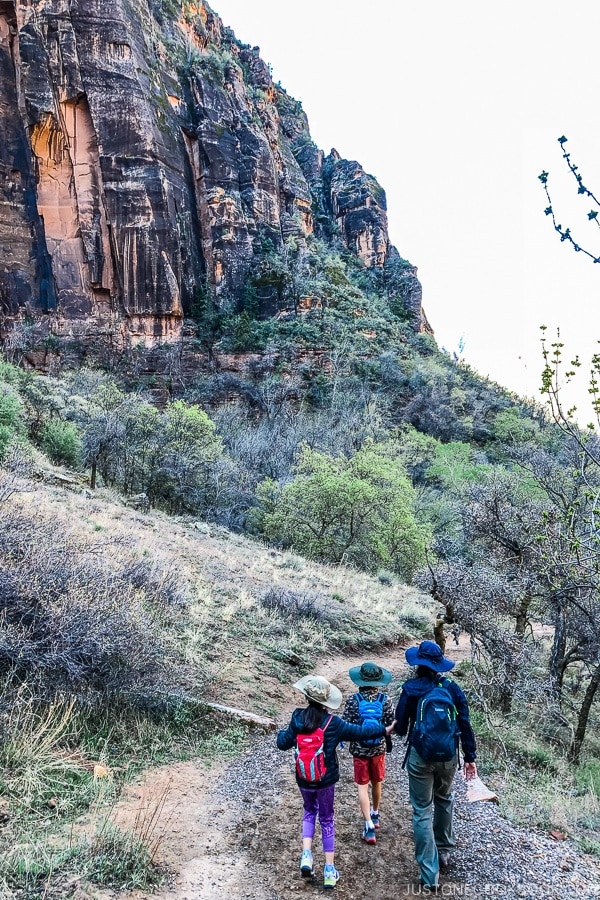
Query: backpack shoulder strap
column 327, row 723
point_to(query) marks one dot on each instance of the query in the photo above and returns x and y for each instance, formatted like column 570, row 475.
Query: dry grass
column 33, row 751
column 551, row 801
column 537, row 785
column 227, row 630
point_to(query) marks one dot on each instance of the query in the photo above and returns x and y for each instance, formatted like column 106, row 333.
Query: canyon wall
column 146, row 158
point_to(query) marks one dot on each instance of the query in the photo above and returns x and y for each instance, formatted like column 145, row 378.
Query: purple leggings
column 319, row 800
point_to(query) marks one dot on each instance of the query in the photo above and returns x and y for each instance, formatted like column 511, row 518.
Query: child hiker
column 370, row 703
column 315, row 733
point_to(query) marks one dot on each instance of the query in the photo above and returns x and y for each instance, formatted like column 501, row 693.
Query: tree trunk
column 558, row 652
column 584, row 714
column 506, row 692
column 509, row 680
column 439, row 635
column 93, row 476
column 522, row 617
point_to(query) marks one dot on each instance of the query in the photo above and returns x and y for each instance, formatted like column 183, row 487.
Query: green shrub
column 61, row 442
column 6, row 436
column 12, row 424
column 453, row 465
column 10, row 374
column 27, row 865
column 588, row 776
column 512, row 427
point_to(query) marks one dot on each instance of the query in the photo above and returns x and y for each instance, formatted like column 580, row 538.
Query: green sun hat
column 370, row 675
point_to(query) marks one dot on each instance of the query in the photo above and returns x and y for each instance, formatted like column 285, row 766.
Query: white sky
column 455, row 108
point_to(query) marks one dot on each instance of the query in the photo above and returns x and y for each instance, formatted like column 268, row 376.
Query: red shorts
column 369, row 769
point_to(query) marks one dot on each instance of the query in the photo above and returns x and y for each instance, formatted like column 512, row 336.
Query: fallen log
column 248, row 717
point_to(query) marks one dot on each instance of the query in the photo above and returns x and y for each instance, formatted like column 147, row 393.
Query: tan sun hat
column 319, row 690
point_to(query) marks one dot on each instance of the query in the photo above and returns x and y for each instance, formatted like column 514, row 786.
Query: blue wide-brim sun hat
column 429, row 654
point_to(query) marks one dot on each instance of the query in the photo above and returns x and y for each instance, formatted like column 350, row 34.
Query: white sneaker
column 306, row 864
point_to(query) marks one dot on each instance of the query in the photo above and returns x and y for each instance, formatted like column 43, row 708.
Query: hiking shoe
column 330, row 877
column 375, row 819
column 444, row 859
column 368, row 835
column 306, row 864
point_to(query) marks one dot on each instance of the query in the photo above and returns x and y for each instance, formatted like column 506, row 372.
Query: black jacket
column 338, row 730
column 406, row 710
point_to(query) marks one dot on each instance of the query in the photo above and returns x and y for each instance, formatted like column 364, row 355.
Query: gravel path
column 492, row 857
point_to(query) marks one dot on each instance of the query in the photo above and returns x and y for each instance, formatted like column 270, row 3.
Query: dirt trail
column 233, row 831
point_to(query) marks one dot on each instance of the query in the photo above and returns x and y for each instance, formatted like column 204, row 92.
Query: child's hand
column 389, row 730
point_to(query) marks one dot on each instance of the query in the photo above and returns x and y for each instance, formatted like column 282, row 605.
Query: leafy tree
column 454, row 466
column 170, row 456
column 511, row 427
column 357, row 511
column 189, row 448
column 104, row 431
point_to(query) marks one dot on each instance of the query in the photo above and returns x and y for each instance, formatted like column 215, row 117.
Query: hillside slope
column 118, row 627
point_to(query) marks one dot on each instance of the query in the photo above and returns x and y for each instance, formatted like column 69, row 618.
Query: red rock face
column 359, row 207
column 145, row 153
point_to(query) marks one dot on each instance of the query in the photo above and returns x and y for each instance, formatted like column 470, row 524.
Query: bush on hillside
column 174, row 456
column 61, row 442
column 296, row 604
column 77, row 618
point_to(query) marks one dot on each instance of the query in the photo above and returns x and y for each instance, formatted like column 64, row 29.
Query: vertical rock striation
column 146, row 157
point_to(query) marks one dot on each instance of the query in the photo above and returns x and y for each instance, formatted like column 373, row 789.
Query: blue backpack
column 435, row 732
column 370, row 711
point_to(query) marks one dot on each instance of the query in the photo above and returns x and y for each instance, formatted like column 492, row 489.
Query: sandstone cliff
column 146, row 157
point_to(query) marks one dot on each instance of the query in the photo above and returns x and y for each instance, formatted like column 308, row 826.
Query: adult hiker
column 315, row 734
column 434, row 712
column 369, row 703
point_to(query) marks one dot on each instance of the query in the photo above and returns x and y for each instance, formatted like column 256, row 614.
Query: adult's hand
column 470, row 770
column 390, row 729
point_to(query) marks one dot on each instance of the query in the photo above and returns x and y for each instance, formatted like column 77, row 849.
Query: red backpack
column 310, row 758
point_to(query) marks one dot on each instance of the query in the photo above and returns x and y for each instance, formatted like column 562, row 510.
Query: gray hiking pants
column 430, row 791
